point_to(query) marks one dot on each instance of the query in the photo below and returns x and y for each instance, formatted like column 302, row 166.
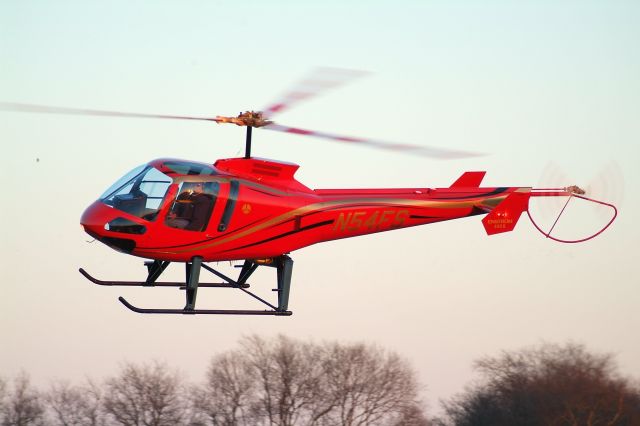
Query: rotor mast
column 247, row 145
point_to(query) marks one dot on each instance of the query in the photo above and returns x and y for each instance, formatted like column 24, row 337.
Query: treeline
column 264, row 382
column 285, row 382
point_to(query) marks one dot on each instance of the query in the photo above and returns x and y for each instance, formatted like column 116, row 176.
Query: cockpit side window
column 191, row 210
column 139, row 193
column 123, row 182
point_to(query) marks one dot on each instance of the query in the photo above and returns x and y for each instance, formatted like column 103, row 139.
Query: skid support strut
column 193, row 276
column 283, row 265
column 155, row 269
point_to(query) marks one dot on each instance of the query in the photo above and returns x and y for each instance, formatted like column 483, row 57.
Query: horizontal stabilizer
column 469, row 180
column 505, row 216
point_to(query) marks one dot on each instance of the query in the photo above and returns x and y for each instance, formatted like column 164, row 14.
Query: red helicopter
column 254, row 210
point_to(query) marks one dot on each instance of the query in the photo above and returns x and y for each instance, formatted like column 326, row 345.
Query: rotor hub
column 247, row 118
column 575, row 189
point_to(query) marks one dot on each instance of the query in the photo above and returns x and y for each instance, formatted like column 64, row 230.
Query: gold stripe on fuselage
column 325, row 205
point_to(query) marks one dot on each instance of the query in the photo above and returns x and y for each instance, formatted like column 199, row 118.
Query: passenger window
column 192, row 207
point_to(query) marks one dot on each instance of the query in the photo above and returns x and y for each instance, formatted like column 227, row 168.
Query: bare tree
column 288, row 382
column 550, row 385
column 22, row 404
column 413, row 416
column 3, row 394
column 371, row 386
column 226, row 397
column 145, row 396
column 289, row 377
column 75, row 405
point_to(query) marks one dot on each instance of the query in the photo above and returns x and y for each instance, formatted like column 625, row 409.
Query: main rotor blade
column 47, row 109
column 426, row 151
column 318, row 81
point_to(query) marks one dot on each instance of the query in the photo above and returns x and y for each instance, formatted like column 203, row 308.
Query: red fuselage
column 259, row 211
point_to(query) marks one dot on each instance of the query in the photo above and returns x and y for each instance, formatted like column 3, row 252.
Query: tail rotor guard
column 505, row 216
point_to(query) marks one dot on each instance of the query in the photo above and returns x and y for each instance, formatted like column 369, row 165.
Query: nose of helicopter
column 95, row 220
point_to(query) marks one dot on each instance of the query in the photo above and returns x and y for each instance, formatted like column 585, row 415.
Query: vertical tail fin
column 505, row 216
column 468, row 180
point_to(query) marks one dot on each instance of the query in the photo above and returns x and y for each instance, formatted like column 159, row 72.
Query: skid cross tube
column 245, row 276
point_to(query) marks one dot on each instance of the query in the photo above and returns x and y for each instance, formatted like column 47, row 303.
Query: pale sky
column 531, row 83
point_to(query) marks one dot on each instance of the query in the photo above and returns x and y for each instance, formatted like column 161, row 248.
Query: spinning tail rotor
column 504, row 217
column 571, row 192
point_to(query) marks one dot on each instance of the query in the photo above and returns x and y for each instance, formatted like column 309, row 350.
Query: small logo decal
column 246, row 208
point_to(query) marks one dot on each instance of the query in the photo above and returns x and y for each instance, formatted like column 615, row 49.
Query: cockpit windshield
column 140, row 192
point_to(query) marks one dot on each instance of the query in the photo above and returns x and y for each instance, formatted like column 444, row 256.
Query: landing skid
column 202, row 311
column 180, row 285
column 284, row 266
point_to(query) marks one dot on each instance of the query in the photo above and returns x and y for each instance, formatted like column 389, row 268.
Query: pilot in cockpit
column 192, row 208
